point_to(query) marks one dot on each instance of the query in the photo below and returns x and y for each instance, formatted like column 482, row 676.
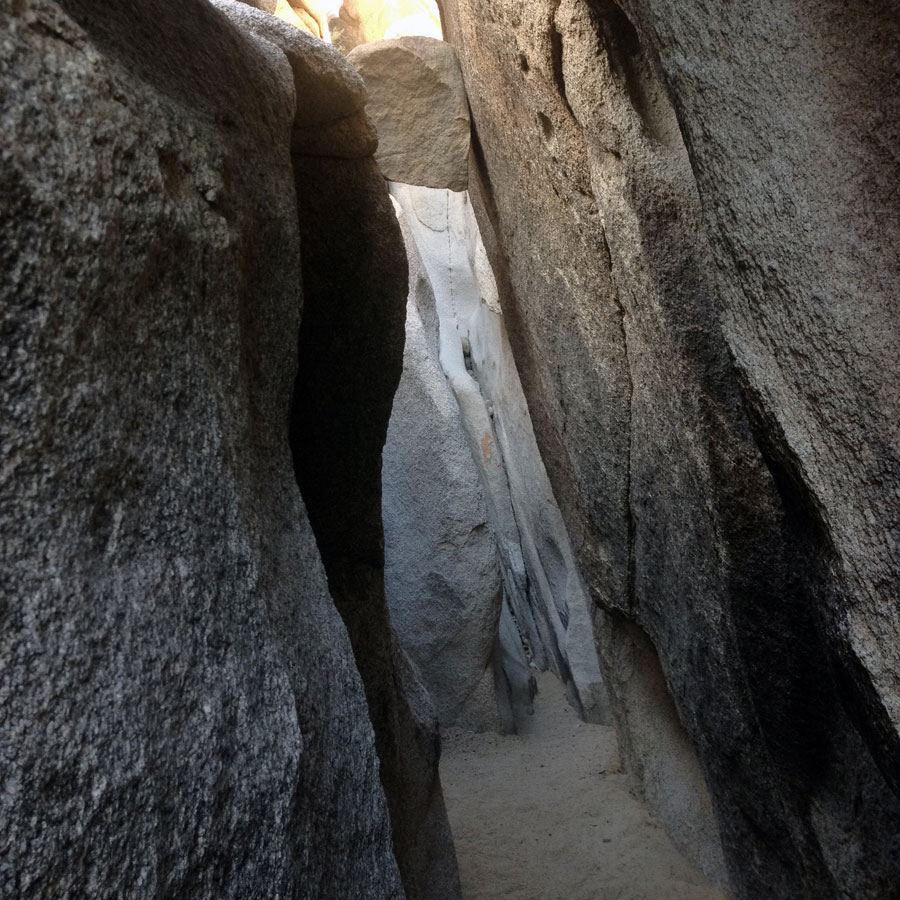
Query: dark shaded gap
column 556, row 60
column 813, row 712
column 350, row 360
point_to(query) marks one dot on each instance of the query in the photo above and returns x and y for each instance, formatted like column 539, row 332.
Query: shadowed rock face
column 180, row 714
column 350, row 356
column 691, row 221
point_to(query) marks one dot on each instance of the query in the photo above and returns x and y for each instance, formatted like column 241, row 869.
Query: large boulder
column 443, row 578
column 690, row 214
column 327, row 87
column 330, row 119
column 180, row 713
column 417, row 102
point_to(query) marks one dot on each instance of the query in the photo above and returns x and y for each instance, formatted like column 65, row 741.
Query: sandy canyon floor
column 547, row 815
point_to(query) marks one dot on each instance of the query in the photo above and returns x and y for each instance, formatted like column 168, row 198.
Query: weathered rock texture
column 268, row 6
column 363, row 21
column 350, row 357
column 691, row 215
column 443, row 579
column 417, row 102
column 180, row 715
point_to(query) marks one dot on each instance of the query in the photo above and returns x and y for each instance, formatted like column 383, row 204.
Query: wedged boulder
column 678, row 258
column 180, row 713
column 442, row 577
column 417, row 102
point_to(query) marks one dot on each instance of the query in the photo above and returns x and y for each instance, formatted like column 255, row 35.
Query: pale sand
column 548, row 815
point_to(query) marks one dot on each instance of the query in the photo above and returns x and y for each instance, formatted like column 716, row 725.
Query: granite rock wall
column 690, row 216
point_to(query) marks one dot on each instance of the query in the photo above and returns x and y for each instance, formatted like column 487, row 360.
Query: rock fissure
column 631, row 596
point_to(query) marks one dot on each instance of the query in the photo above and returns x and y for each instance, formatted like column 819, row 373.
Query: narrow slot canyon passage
column 483, row 588
column 538, row 802
column 449, row 450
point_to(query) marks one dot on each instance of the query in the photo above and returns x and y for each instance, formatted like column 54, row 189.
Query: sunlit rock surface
column 546, row 602
column 443, row 579
column 305, row 14
column 355, row 22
